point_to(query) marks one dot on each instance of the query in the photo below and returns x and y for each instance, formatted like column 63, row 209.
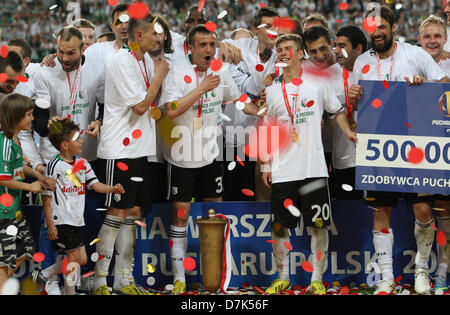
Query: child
column 64, row 208
column 16, row 242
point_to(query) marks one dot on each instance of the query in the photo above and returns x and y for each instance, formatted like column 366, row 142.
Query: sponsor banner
column 404, row 143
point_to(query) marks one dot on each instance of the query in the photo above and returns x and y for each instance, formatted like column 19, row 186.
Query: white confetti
column 42, row 103
column 347, row 187
column 76, row 136
column 124, row 18
column 101, row 209
column 344, row 53
column 240, row 105
column 225, row 117
column 231, row 165
column 11, row 230
column 261, row 25
column 151, row 281
column 11, row 287
column 53, row 7
column 294, row 211
column 94, row 257
column 137, row 179
column 169, row 287
column 222, row 14
column 262, row 111
column 61, row 245
column 158, row 28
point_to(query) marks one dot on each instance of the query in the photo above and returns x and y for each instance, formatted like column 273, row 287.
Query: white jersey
column 27, row 88
column 445, row 66
column 447, row 44
column 408, row 60
column 305, row 158
column 198, row 148
column 104, row 51
column 52, row 84
column 68, row 200
column 124, row 88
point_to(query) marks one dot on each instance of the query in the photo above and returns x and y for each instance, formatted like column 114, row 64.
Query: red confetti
column 441, row 239
column 386, row 84
column 170, row 243
column 88, row 274
column 376, row 103
column 288, row 202
column 243, row 98
column 201, row 5
column 126, row 141
column 271, row 241
column 339, row 21
column 216, row 65
column 365, row 69
column 3, row 77
column 189, row 263
column 433, row 226
column 344, row 290
column 383, row 293
column 271, row 36
column 343, row 6
column 64, row 264
column 319, row 255
column 407, row 125
column 369, row 24
column 68, row 116
column 310, row 103
column 181, row 213
column 136, row 134
column 239, row 160
column 397, row 280
column 113, row 2
column 262, row 5
column 211, row 26
column 22, row 79
column 259, row 67
column 285, row 23
column 247, row 192
column 187, row 79
column 122, row 166
column 6, row 200
column 297, row 81
column 138, row 10
column 415, row 155
column 79, row 165
column 288, row 246
column 385, row 231
column 306, row 265
column 38, row 257
column 4, row 51
column 291, row 54
column 255, row 287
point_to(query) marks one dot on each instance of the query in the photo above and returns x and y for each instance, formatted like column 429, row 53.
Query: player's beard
column 2, row 90
column 156, row 52
column 69, row 66
column 387, row 44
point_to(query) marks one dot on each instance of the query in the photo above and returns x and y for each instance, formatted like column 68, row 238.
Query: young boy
column 64, row 208
column 16, row 242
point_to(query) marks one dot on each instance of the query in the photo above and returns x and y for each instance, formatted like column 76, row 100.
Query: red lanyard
column 200, row 101
column 380, row 75
column 345, row 75
column 186, row 50
column 74, row 89
column 286, row 100
column 146, row 79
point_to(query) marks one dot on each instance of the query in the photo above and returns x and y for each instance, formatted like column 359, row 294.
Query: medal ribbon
column 286, row 100
column 74, row 89
column 380, row 75
column 345, row 75
column 146, row 78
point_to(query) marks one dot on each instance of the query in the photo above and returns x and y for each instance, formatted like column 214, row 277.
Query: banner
column 404, row 138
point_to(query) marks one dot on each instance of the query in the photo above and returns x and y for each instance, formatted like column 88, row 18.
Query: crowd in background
column 34, row 21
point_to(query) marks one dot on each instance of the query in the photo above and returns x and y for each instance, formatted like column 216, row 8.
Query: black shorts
column 14, row 247
column 311, row 196
column 139, row 181
column 381, row 198
column 200, row 183
column 346, row 176
column 69, row 237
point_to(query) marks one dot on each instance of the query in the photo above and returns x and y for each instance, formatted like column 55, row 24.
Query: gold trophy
column 211, row 249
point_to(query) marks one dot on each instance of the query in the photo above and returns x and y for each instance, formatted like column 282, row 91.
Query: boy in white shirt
column 64, row 208
column 299, row 175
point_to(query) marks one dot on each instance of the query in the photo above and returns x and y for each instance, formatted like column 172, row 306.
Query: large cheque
column 404, row 137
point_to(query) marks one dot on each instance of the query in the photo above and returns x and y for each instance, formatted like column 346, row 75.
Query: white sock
column 319, row 242
column 443, row 224
column 383, row 244
column 69, row 285
column 125, row 243
column 178, row 235
column 52, row 270
column 424, row 234
column 105, row 247
column 281, row 254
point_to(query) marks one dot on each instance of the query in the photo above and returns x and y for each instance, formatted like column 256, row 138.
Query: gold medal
column 352, row 123
column 294, row 136
column 22, row 175
column 155, row 113
column 198, row 123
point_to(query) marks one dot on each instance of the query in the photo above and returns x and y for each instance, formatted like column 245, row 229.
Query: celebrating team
column 153, row 100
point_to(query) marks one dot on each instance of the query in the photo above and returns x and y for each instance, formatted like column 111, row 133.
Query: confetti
column 151, row 281
column 137, row 179
column 189, row 263
column 415, row 155
column 239, row 105
column 297, row 81
column 142, row 224
column 211, row 26
column 113, row 2
column 272, row 242
column 42, row 103
column 365, row 69
column 385, row 231
column 79, row 165
column 151, row 268
column 259, row 67
column 136, row 134
column 310, row 103
column 407, row 125
column 273, row 33
column 255, row 287
column 75, row 137
column 288, row 202
column 134, row 46
column 96, row 240
column 344, row 290
column 261, row 26
column 181, row 213
column 225, row 117
column 169, row 287
column 18, row 215
column 22, row 78
column 126, row 141
column 10, row 287
column 433, row 226
column 124, row 18
column 94, row 257
column 247, row 192
column 231, row 165
column 343, row 6
column 170, row 243
column 3, row 77
column 294, row 210
column 344, row 53
column 347, row 187
column 339, row 21
column 261, row 111
column 441, row 238
column 397, row 280
column 386, row 84
column 187, row 79
column 369, row 24
column 216, row 65
column 53, row 7
column 174, row 105
column 262, row 5
column 285, row 23
column 288, row 246
column 319, row 255
column 239, row 160
column 6, row 200
column 138, row 10
column 88, row 274
column 101, row 209
column 158, row 28
column 38, row 257
column 376, row 103
column 222, row 14
column 201, row 5
column 306, row 265
column 122, row 166
column 11, row 230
